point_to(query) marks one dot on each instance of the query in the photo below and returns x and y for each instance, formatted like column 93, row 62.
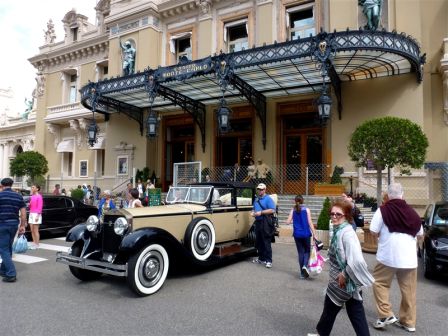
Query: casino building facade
column 225, row 82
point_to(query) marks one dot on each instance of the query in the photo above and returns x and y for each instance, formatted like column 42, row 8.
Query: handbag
column 20, row 245
column 319, row 244
column 269, row 228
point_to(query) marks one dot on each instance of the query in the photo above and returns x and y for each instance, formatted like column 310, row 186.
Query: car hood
column 165, row 209
column 439, row 232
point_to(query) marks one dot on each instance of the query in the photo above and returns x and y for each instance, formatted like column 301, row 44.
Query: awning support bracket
column 193, row 107
column 257, row 100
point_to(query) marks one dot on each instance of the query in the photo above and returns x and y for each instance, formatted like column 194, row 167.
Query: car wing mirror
column 443, row 213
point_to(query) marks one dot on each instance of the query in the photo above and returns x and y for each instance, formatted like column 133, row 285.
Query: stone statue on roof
column 372, row 11
column 50, row 34
column 29, row 107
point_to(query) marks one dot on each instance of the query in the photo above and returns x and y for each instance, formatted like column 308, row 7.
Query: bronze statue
column 128, row 58
column 372, row 11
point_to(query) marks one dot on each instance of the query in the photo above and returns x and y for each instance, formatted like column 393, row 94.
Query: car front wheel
column 200, row 238
column 148, row 269
column 79, row 273
column 428, row 270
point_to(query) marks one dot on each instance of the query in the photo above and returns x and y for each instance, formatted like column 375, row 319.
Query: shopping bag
column 20, row 245
column 316, row 261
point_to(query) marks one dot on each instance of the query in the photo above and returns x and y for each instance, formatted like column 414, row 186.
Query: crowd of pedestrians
column 395, row 223
column 397, row 227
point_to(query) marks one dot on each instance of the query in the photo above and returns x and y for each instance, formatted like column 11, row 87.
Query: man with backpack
column 358, row 218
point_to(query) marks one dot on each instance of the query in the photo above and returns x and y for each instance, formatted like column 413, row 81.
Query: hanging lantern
column 151, row 125
column 324, row 106
column 92, row 133
column 223, row 114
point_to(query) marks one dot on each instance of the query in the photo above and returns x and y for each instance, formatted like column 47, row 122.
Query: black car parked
column 60, row 213
column 434, row 249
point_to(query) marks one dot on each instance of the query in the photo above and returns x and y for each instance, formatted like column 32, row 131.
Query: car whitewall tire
column 200, row 238
column 148, row 269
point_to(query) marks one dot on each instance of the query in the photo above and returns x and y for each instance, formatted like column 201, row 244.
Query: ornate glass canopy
column 276, row 70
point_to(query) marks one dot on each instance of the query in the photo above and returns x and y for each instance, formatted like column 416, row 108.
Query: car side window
column 54, row 203
column 222, row 197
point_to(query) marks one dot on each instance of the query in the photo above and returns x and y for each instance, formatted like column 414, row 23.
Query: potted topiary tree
column 323, row 223
column 335, row 187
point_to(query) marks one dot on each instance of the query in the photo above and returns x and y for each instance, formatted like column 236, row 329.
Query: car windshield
column 443, row 219
column 190, row 194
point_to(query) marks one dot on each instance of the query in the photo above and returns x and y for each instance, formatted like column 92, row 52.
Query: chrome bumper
column 92, row 265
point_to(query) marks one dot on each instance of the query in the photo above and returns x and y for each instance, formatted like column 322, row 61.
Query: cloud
column 23, row 32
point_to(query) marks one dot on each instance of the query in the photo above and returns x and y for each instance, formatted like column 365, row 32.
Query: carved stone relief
column 55, row 130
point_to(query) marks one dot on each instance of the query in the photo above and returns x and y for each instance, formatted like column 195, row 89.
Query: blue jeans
column 303, row 249
column 355, row 312
column 7, row 233
column 262, row 243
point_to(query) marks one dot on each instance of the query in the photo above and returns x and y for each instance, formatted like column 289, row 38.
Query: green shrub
column 77, row 194
column 336, row 176
column 323, row 222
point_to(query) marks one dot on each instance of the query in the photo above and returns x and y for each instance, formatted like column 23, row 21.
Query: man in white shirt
column 397, row 226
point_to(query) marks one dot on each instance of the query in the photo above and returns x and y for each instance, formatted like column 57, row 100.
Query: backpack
column 358, row 217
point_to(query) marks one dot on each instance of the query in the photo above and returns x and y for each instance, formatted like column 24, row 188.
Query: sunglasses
column 336, row 214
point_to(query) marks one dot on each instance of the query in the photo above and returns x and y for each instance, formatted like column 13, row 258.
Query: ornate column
column 1, row 158
column 444, row 72
column 6, row 159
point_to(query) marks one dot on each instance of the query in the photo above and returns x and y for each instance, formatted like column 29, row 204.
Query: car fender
column 78, row 232
column 136, row 240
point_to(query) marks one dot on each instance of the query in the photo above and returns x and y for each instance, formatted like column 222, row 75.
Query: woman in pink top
column 35, row 217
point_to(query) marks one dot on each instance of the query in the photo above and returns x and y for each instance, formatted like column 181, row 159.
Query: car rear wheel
column 428, row 270
column 148, row 269
column 200, row 238
column 79, row 273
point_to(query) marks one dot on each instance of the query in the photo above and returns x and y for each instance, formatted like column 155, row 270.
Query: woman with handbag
column 303, row 230
column 348, row 273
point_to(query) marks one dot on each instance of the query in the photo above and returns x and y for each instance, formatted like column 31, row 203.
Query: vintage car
column 434, row 247
column 200, row 224
column 60, row 213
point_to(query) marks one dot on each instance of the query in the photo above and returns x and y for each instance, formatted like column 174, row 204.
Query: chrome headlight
column 438, row 245
column 120, row 225
column 92, row 223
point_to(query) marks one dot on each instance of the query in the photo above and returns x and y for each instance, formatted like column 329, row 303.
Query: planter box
column 370, row 244
column 329, row 189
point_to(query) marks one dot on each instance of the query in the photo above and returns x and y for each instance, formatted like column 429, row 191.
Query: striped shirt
column 10, row 204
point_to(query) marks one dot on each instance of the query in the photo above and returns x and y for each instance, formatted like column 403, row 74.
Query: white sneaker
column 305, row 272
column 382, row 322
column 268, row 264
column 405, row 327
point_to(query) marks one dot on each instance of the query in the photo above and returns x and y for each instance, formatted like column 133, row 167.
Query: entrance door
column 302, row 148
column 179, row 148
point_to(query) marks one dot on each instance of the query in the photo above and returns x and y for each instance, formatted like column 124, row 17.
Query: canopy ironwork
column 253, row 75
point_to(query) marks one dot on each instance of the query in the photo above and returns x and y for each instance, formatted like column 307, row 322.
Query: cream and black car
column 201, row 224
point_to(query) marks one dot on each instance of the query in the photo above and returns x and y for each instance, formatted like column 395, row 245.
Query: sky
column 22, row 23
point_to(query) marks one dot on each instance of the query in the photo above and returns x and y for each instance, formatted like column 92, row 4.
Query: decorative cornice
column 59, row 55
column 177, row 7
